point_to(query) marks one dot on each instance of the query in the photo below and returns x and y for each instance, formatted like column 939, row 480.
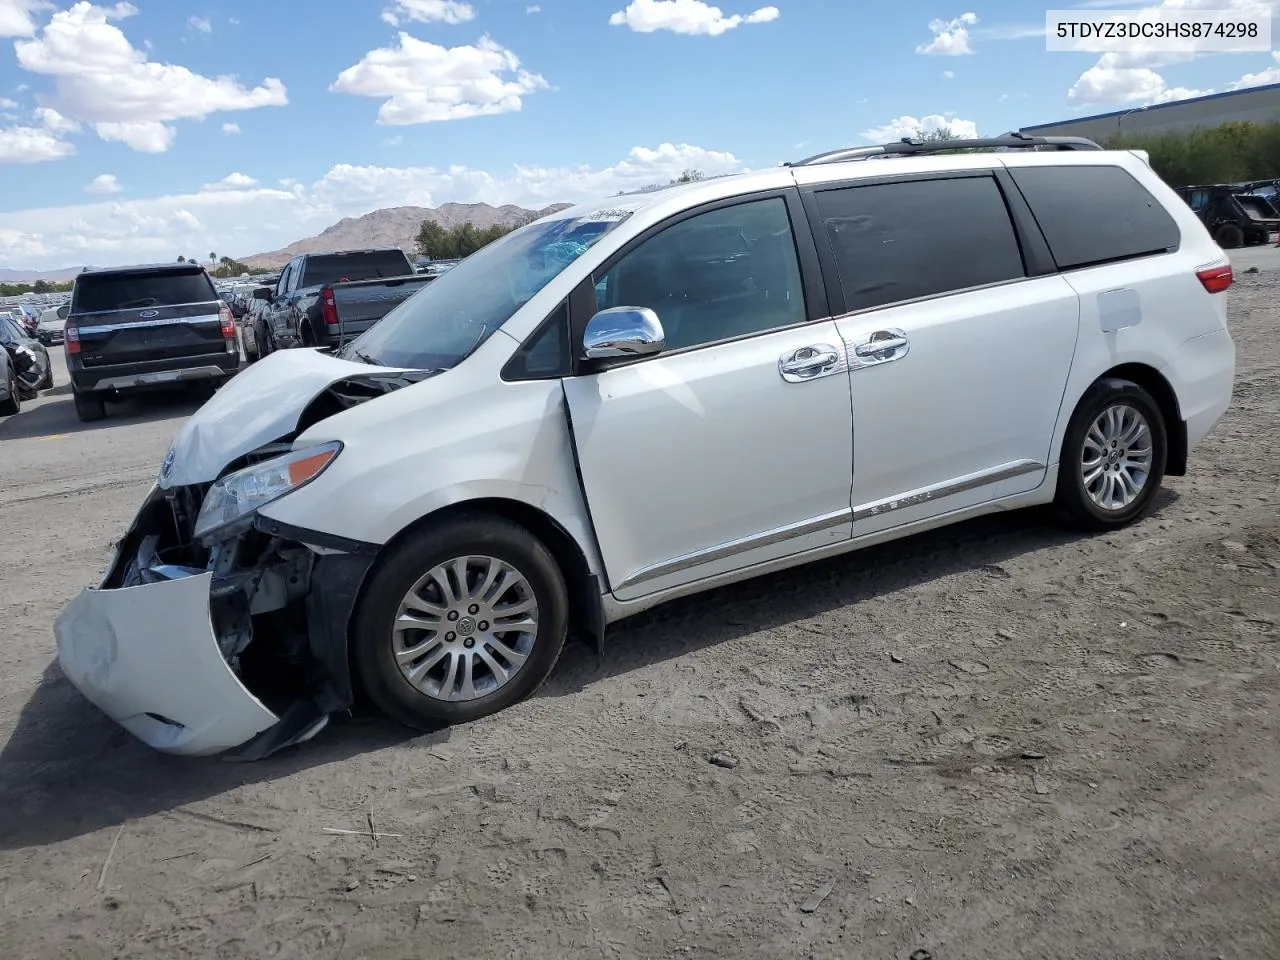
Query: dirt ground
column 996, row 741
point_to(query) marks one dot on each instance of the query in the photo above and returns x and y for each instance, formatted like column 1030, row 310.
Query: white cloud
column 240, row 217
column 231, row 129
column 31, row 145
column 101, row 79
column 692, row 17
column 55, row 122
column 1131, row 77
column 7, row 104
column 424, row 83
column 533, row 8
column 16, row 18
column 1262, row 77
column 908, row 126
column 232, row 181
column 104, row 183
column 948, row 74
column 950, row 37
column 145, row 136
column 202, row 24
column 429, row 11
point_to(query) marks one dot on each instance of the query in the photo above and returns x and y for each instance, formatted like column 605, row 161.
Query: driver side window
column 719, row 275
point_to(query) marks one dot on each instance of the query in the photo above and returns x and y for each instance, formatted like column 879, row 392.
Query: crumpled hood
column 258, row 405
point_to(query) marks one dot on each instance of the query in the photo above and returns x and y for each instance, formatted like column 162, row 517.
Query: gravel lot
column 994, row 741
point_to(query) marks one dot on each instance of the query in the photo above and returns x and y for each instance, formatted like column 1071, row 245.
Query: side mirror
column 63, row 311
column 623, row 332
column 263, row 293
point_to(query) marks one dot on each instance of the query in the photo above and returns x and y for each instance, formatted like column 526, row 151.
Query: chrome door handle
column 882, row 346
column 873, row 347
column 808, row 362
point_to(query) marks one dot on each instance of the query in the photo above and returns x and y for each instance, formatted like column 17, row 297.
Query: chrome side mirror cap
column 621, row 332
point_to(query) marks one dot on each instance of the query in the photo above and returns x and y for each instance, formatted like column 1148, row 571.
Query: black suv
column 134, row 328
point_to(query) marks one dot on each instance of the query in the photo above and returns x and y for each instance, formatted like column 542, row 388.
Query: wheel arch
column 1155, row 383
column 586, row 607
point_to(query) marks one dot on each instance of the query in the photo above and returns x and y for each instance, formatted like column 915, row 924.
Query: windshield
column 437, row 327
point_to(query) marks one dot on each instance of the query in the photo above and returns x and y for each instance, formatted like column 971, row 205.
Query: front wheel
column 1113, row 457
column 462, row 620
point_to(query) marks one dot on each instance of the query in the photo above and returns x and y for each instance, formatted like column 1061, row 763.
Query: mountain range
column 392, row 227
column 397, row 227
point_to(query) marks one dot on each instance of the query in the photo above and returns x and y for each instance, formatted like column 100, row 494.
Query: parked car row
column 25, row 369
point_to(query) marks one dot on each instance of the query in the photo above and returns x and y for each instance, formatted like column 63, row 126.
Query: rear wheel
column 89, row 406
column 13, row 404
column 462, row 620
column 1229, row 236
column 47, row 382
column 1113, row 457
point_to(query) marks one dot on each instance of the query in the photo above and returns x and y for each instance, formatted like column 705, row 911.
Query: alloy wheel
column 465, row 628
column 1116, row 457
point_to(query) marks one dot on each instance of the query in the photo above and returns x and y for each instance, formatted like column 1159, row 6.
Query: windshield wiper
column 474, row 346
column 364, row 358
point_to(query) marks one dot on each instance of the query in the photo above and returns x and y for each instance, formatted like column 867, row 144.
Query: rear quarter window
column 1093, row 215
column 138, row 291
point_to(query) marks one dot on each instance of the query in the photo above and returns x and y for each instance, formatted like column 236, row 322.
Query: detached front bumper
column 160, row 645
column 148, row 658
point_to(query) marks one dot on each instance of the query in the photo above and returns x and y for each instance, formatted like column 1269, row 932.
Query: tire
column 13, row 405
column 1075, row 502
column 479, row 537
column 262, row 340
column 1229, row 236
column 89, row 406
column 47, row 383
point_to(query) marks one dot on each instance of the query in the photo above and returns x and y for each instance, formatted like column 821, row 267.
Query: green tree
column 42, row 286
column 1228, row 153
column 437, row 242
column 181, row 259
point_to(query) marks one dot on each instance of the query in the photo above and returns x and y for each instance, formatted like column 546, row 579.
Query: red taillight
column 71, row 337
column 1216, row 279
column 328, row 307
column 228, row 323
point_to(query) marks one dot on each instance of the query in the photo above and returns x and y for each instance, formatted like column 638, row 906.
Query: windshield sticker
column 606, row 216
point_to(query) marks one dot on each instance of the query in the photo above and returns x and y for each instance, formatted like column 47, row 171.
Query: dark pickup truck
column 135, row 328
column 326, row 299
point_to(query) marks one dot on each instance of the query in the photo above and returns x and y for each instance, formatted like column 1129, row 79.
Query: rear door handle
column 881, row 347
column 809, row 362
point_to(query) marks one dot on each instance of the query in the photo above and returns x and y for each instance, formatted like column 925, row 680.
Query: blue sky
column 115, row 144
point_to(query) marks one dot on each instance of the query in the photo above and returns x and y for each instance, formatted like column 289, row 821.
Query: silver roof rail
column 914, row 147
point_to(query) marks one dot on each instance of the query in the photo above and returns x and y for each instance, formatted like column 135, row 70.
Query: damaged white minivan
column 627, row 402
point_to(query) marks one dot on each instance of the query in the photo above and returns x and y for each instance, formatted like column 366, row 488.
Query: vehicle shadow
column 68, row 770
column 809, row 591
column 59, row 417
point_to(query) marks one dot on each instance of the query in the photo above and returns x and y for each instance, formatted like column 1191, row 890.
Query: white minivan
column 648, row 397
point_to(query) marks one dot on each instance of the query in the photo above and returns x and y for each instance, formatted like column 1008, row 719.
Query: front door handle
column 881, row 347
column 808, row 363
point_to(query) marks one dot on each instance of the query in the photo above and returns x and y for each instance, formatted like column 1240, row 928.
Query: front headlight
column 230, row 504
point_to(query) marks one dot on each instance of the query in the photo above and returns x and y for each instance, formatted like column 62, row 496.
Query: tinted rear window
column 354, row 266
column 900, row 241
column 137, row 291
column 1093, row 215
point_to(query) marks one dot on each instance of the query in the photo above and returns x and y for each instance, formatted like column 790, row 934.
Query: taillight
column 71, row 337
column 228, row 323
column 1216, row 279
column 328, row 308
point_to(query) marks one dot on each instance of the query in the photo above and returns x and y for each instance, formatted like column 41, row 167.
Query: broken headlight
column 231, row 503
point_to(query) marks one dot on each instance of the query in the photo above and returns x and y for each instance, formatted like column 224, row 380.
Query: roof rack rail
column 911, row 147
